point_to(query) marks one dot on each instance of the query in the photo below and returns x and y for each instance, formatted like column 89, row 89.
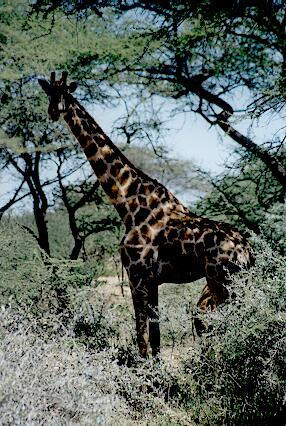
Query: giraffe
column 163, row 241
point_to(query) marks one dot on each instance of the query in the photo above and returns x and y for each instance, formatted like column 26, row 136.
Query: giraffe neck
column 132, row 192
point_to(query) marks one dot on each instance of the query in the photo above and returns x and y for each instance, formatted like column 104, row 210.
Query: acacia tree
column 30, row 156
column 38, row 158
column 200, row 53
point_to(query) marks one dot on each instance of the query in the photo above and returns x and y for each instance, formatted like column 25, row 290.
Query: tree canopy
column 202, row 54
column 224, row 63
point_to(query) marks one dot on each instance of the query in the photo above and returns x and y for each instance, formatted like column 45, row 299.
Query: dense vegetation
column 67, row 338
column 80, row 365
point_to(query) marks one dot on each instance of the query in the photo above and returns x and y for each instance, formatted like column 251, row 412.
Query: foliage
column 29, row 278
column 273, row 227
column 223, row 63
column 55, row 381
column 84, row 368
column 238, row 371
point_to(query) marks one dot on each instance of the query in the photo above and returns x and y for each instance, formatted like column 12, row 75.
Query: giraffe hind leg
column 205, row 301
column 218, row 277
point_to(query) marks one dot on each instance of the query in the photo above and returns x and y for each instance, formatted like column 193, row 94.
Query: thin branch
column 13, row 200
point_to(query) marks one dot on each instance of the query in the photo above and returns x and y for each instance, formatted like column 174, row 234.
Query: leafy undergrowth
column 79, row 366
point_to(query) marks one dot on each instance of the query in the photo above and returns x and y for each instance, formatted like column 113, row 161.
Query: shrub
column 83, row 368
column 236, row 373
column 31, row 279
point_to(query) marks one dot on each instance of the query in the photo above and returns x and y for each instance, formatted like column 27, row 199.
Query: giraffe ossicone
column 163, row 242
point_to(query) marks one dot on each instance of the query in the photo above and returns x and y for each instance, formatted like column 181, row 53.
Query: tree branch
column 13, row 200
column 277, row 170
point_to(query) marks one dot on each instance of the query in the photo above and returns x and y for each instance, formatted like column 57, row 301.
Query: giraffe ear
column 45, row 85
column 72, row 86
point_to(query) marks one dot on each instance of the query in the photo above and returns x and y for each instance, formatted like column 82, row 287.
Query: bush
column 236, row 374
column 31, row 280
column 83, row 368
column 56, row 380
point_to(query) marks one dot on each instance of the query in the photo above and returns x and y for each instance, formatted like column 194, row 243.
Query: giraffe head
column 59, row 94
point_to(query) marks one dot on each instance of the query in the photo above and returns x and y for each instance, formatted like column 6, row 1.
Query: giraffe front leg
column 153, row 313
column 140, row 303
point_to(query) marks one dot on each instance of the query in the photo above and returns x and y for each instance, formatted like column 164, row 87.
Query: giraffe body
column 164, row 242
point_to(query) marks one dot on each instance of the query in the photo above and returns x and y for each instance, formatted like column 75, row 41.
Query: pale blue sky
column 190, row 137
